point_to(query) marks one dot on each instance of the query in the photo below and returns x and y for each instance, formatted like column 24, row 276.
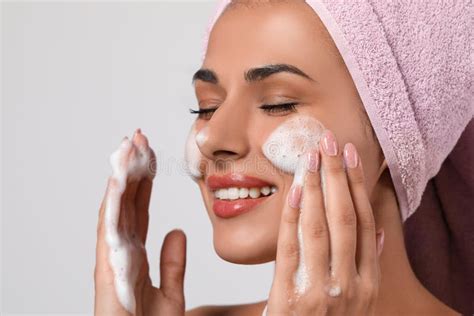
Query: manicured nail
column 313, row 161
column 294, row 197
column 350, row 155
column 329, row 143
column 380, row 240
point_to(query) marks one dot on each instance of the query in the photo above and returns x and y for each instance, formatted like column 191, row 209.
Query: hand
column 124, row 287
column 339, row 273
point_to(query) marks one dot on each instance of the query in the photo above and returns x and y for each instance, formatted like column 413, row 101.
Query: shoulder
column 228, row 310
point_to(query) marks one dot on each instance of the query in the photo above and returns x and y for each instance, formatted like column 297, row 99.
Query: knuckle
column 369, row 292
column 313, row 182
column 316, row 230
column 315, row 303
column 290, row 217
column 173, row 268
column 366, row 224
column 356, row 176
column 289, row 249
column 347, row 217
column 349, row 293
column 335, row 167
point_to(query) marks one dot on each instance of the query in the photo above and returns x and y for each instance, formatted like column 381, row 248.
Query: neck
column 400, row 293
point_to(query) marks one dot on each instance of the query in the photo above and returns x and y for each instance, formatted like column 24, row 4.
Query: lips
column 235, row 194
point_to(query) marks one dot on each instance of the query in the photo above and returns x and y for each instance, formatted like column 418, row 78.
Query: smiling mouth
column 235, row 194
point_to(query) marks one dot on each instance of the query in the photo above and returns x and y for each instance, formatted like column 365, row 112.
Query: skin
column 360, row 202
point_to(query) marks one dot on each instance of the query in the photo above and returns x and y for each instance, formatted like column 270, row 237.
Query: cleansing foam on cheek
column 290, row 141
column 192, row 154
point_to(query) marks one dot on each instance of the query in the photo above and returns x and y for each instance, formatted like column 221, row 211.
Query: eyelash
column 203, row 112
column 267, row 108
column 279, row 108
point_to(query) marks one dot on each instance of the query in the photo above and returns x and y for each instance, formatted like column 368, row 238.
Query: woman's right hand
column 121, row 233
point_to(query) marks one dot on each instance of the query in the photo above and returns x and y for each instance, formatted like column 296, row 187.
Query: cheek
column 287, row 143
column 192, row 154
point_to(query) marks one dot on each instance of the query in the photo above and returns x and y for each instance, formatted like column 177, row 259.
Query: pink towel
column 412, row 64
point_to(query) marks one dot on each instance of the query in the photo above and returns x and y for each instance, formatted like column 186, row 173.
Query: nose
column 225, row 134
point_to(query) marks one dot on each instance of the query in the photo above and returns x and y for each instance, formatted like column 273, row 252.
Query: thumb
column 173, row 265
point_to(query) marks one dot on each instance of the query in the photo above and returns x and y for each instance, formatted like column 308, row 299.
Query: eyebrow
column 253, row 74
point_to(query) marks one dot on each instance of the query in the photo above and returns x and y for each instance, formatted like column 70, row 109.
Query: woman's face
column 234, row 134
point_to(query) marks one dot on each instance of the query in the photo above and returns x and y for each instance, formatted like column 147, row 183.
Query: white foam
column 129, row 162
column 285, row 148
column 290, row 140
column 202, row 136
column 192, row 154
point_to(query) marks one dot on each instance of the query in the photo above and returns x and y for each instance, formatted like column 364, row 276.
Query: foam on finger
column 132, row 161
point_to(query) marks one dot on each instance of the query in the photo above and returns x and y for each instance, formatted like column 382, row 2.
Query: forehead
column 289, row 32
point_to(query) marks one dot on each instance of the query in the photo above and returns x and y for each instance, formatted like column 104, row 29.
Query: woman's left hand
column 341, row 273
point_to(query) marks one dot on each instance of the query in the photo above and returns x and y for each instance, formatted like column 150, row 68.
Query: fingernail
column 329, row 143
column 380, row 241
column 350, row 155
column 313, row 161
column 294, row 197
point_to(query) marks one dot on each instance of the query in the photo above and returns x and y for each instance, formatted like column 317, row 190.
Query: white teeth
column 254, row 193
column 223, row 194
column 243, row 193
column 265, row 191
column 235, row 193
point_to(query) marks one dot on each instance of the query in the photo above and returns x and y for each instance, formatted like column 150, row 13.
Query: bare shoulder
column 228, row 310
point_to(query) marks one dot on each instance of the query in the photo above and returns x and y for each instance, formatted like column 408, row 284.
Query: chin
column 250, row 238
column 240, row 248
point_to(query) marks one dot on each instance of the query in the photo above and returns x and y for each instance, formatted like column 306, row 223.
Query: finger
column 142, row 204
column 339, row 209
column 287, row 257
column 109, row 215
column 127, row 215
column 143, row 195
column 313, row 222
column 173, row 265
column 103, row 272
column 366, row 235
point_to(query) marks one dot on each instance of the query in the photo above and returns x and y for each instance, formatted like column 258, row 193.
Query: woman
column 299, row 159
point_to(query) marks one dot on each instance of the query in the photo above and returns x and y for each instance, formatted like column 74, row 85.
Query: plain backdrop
column 76, row 78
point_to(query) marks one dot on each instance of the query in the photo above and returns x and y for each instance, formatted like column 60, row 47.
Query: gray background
column 76, row 78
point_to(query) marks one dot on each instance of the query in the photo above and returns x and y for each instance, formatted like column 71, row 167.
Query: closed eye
column 203, row 113
column 281, row 108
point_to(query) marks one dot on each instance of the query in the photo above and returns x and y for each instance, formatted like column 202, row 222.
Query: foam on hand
column 132, row 161
column 285, row 148
column 192, row 154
